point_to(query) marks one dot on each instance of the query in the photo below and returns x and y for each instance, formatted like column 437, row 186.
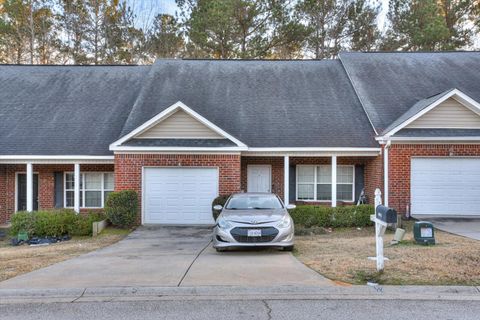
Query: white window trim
column 315, row 183
column 82, row 190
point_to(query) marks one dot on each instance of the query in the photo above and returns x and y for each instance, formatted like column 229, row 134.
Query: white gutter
column 385, row 172
column 313, row 149
column 57, row 159
column 455, row 139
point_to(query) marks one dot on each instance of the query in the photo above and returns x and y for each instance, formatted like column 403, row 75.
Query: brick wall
column 399, row 166
column 46, row 184
column 128, row 169
column 3, row 193
column 373, row 170
column 373, row 177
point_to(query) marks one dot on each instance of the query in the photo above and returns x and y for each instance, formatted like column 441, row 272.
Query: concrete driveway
column 170, row 256
column 464, row 226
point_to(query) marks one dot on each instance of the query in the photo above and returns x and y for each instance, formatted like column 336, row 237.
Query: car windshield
column 257, row 202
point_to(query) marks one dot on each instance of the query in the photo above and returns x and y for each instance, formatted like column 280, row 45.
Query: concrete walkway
column 463, row 226
column 170, row 257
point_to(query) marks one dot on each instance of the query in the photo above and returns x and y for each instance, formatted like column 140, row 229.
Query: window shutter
column 292, row 184
column 58, row 189
column 359, row 180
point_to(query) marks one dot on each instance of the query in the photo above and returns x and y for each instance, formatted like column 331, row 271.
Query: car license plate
column 254, row 233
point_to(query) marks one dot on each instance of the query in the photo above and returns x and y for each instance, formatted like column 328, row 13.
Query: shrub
column 220, row 200
column 121, row 208
column 54, row 223
column 83, row 224
column 23, row 221
column 322, row 216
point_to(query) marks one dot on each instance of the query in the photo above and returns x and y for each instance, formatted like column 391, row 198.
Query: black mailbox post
column 386, row 214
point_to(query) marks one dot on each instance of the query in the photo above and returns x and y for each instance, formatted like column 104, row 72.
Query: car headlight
column 285, row 222
column 223, row 224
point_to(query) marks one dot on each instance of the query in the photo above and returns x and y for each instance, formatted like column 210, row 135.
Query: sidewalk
column 419, row 293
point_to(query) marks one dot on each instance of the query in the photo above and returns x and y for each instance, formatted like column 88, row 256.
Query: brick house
column 181, row 132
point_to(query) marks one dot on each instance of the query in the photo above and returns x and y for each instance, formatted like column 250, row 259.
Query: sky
column 149, row 8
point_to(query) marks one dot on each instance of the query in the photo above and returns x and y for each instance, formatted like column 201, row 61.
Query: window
column 314, row 183
column 94, row 189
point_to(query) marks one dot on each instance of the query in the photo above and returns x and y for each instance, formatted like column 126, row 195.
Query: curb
column 76, row 295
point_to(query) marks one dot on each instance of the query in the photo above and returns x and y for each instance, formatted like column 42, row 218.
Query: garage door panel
column 179, row 195
column 445, row 186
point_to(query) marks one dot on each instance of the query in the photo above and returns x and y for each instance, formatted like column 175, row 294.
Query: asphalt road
column 246, row 309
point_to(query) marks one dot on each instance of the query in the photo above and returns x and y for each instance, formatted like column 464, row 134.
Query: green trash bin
column 424, row 232
column 22, row 235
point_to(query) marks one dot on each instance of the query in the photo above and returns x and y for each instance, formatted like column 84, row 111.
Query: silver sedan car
column 253, row 219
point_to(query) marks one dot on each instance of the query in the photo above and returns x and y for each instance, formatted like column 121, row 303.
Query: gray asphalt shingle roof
column 65, row 110
column 388, row 84
column 80, row 110
column 261, row 103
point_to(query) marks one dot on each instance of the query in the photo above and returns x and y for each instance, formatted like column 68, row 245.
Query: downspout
column 385, row 172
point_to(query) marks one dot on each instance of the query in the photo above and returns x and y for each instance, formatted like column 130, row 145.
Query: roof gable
column 180, row 112
column 447, row 110
column 389, row 83
column 179, row 125
column 448, row 115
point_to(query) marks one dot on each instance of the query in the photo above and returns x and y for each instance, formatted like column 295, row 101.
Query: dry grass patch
column 22, row 259
column 342, row 255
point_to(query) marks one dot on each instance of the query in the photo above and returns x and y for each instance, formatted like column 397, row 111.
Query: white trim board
column 57, row 159
column 165, row 114
column 180, row 149
column 436, row 139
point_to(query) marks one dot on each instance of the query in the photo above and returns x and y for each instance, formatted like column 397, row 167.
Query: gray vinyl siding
column 449, row 114
column 180, row 125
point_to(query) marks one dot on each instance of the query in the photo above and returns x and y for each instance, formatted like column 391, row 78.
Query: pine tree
column 415, row 25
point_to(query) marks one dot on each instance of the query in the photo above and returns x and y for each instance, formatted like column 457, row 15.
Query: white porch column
column 334, row 181
column 76, row 205
column 29, row 186
column 286, row 179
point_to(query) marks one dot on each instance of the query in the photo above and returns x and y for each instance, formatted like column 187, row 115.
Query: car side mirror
column 217, row 207
column 290, row 206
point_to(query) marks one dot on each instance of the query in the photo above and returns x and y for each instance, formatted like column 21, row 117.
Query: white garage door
column 179, row 195
column 445, row 186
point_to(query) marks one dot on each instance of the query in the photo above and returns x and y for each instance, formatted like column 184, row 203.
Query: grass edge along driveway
column 22, row 259
column 341, row 255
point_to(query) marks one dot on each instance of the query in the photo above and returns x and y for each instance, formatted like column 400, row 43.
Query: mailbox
column 424, row 233
column 386, row 214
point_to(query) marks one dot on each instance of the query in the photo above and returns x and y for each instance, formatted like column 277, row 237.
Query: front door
column 22, row 192
column 259, row 178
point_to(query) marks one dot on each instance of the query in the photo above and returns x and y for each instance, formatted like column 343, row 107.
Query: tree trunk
column 32, row 32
